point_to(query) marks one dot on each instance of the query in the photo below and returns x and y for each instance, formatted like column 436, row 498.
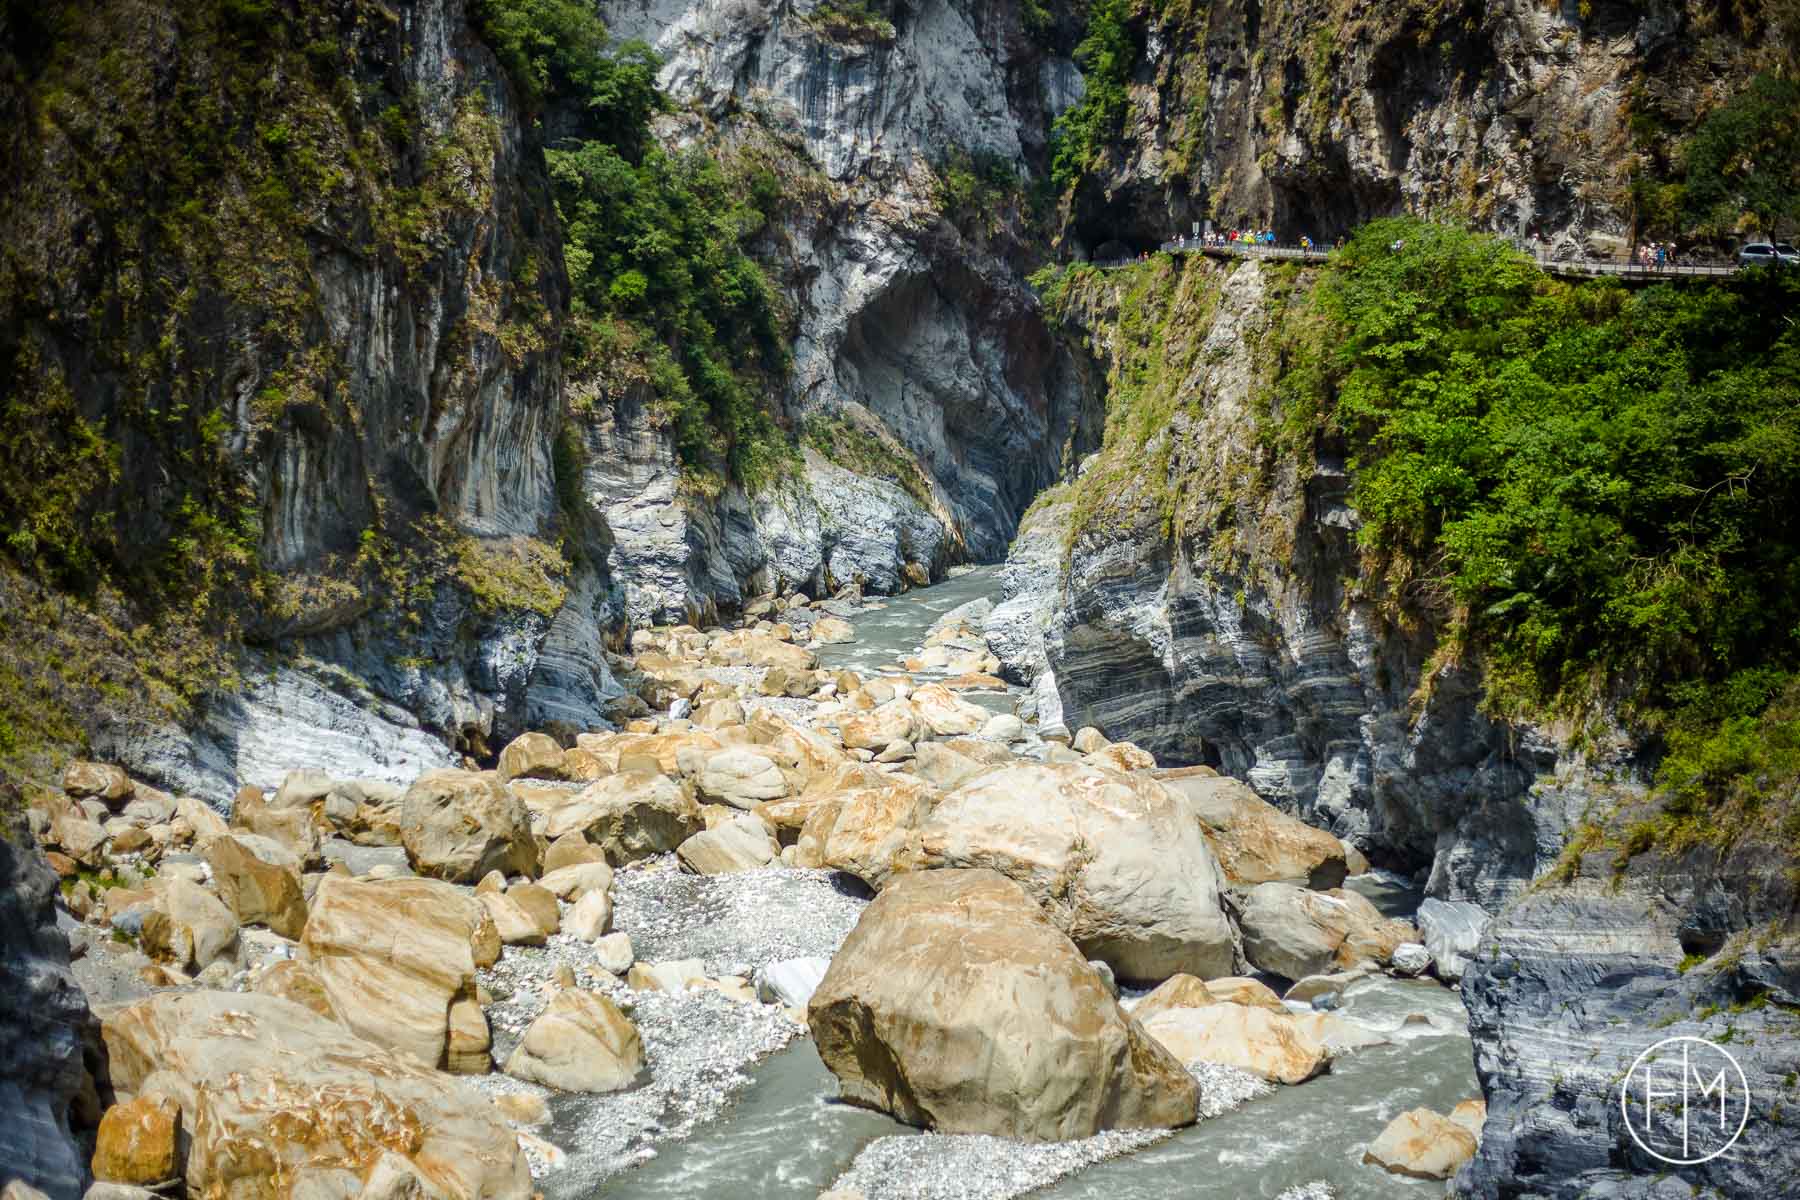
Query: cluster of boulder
column 305, row 1014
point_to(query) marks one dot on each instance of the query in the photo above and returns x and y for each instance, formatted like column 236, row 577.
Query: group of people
column 1230, row 239
column 1654, row 256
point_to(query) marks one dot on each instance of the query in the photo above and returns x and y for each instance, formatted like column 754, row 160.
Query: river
column 785, row 1135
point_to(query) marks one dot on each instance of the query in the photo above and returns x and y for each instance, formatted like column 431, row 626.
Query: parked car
column 1768, row 254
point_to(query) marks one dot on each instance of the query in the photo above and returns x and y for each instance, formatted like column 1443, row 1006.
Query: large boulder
column 259, row 881
column 868, row 831
column 1421, row 1144
column 581, row 1042
column 1177, row 991
column 740, row 777
column 1254, row 841
column 1295, row 932
column 630, row 816
column 105, row 782
column 1116, row 861
column 394, row 956
column 741, row 844
column 292, row 827
column 944, row 714
column 530, row 756
column 459, row 825
column 1266, row 1044
column 956, row 1004
column 1451, row 930
column 879, row 726
column 188, row 927
column 279, row 1102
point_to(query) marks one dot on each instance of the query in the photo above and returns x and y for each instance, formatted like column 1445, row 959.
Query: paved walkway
column 1580, row 270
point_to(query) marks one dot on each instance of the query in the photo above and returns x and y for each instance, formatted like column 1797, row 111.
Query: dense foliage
column 1745, row 158
column 1082, row 133
column 1599, row 485
column 655, row 242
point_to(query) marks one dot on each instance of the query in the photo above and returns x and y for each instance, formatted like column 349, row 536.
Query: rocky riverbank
column 575, row 963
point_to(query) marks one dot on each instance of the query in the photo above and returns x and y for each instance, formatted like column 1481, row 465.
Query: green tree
column 1082, row 133
column 1745, row 158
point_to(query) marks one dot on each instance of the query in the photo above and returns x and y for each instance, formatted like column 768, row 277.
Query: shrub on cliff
column 1595, row 485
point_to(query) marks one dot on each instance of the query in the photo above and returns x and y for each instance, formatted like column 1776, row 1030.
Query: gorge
column 389, row 386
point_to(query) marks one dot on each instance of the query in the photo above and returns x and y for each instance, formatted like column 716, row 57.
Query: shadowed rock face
column 1573, row 981
column 51, row 1040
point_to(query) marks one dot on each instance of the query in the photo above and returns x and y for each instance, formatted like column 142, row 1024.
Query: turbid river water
column 785, row 1136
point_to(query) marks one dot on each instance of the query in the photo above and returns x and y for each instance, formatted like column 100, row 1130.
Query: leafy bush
column 1082, row 133
column 851, row 21
column 1745, row 158
column 653, row 240
column 974, row 189
column 1595, row 485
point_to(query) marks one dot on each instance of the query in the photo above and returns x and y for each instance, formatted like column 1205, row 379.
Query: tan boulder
column 1123, row 756
column 871, row 829
column 1270, row 1045
column 741, row 844
column 80, row 837
column 782, row 681
column 945, row 714
column 1087, row 739
column 575, row 881
column 741, row 777
column 278, row 1102
column 291, row 979
column 1296, row 932
column 1421, row 1144
column 569, row 850
column 590, row 917
column 200, row 817
column 1256, row 842
column 393, row 955
column 715, row 715
column 139, row 1142
column 746, row 648
column 513, row 921
column 1177, row 991
column 1239, row 989
column 1117, row 862
column 259, row 881
column 459, row 825
column 975, row 681
column 937, row 763
column 874, row 729
column 581, row 1042
column 786, row 818
column 629, row 816
column 955, row 1004
column 292, row 827
column 104, row 782
column 530, row 756
column 188, row 927
column 540, row 902
column 833, row 631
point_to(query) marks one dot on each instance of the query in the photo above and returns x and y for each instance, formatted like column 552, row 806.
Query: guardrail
column 1319, row 254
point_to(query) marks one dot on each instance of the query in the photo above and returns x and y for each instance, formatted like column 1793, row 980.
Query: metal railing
column 1319, row 254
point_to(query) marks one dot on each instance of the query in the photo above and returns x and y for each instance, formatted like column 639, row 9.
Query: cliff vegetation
column 1582, row 487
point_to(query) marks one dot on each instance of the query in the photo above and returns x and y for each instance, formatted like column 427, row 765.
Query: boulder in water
column 956, row 1004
